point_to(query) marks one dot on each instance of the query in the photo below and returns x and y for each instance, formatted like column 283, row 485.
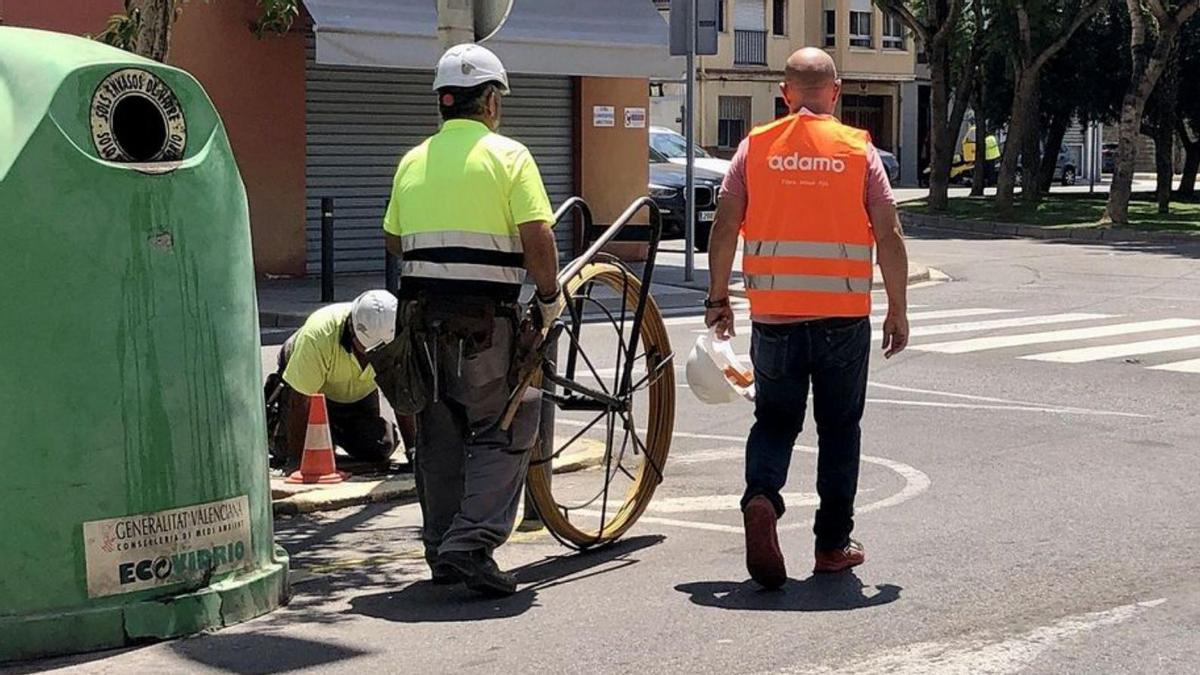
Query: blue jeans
column 832, row 355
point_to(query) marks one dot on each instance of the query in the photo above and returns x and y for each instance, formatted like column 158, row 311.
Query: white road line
column 673, row 522
column 995, row 324
column 974, row 656
column 877, row 319
column 1003, row 341
column 1192, row 366
column 698, row 318
column 948, row 314
column 1009, row 408
column 1025, row 405
column 1086, row 354
column 915, row 482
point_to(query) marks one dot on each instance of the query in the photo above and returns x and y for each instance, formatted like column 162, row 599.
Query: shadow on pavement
column 818, row 593
column 261, row 653
column 422, row 602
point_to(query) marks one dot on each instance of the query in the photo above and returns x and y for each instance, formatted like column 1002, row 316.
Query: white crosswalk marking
column 996, row 324
column 934, row 322
column 913, row 317
column 1086, row 354
column 1190, row 366
column 1003, row 341
column 946, row 314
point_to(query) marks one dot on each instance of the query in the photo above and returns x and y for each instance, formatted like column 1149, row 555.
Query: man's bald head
column 811, row 80
column 810, row 68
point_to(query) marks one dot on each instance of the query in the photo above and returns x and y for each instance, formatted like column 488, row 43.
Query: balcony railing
column 750, row 47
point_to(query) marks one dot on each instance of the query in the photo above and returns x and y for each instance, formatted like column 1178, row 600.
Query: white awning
column 617, row 38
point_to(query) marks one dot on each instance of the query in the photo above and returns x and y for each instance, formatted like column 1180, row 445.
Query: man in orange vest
column 811, row 198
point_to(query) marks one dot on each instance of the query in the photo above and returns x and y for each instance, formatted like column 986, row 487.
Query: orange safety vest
column 808, row 239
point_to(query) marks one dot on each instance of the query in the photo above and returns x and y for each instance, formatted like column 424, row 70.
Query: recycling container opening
column 139, row 127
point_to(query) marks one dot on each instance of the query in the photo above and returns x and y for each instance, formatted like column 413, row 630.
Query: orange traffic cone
column 318, row 465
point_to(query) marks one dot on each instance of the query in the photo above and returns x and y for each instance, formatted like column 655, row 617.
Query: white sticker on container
column 189, row 544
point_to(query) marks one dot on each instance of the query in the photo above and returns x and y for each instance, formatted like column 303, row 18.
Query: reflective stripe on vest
column 818, row 266
column 808, row 249
column 809, row 243
column 806, row 282
column 463, row 262
column 459, row 239
column 462, row 272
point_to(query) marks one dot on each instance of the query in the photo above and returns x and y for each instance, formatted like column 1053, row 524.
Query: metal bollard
column 327, row 249
column 391, row 273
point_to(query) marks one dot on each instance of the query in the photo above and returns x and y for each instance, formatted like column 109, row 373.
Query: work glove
column 547, row 309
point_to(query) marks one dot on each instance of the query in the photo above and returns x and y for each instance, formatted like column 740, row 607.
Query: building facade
column 738, row 88
column 327, row 110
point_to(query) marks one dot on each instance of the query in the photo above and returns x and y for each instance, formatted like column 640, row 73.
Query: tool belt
column 407, row 369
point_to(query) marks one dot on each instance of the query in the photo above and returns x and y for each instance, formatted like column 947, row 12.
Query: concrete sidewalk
column 370, row 484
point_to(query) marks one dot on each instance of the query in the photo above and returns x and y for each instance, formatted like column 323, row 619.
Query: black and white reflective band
column 808, row 249
column 807, row 282
column 462, row 272
column 497, row 243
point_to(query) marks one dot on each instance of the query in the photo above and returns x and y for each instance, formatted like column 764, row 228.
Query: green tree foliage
column 144, row 25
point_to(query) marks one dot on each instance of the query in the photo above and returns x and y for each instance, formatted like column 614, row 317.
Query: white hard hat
column 708, row 372
column 470, row 65
column 374, row 318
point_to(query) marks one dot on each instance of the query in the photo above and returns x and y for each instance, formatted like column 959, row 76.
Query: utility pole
column 689, row 118
column 455, row 22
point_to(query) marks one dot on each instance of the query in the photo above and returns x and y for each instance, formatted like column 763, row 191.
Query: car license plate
column 706, row 216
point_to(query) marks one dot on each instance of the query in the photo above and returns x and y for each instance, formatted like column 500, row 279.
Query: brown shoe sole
column 764, row 560
column 828, row 568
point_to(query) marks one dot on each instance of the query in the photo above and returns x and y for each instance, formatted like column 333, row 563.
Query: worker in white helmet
column 329, row 355
column 470, row 220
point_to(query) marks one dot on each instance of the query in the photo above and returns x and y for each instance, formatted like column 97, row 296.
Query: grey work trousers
column 469, row 477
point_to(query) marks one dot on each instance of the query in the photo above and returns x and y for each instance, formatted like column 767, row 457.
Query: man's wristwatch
column 709, row 303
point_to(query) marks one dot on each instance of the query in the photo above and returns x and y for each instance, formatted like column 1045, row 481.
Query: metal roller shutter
column 360, row 121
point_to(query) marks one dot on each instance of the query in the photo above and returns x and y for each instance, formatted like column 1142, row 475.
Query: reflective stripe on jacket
column 808, row 238
column 463, row 263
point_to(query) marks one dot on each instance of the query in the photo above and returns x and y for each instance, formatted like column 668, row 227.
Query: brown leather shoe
column 840, row 559
column 764, row 560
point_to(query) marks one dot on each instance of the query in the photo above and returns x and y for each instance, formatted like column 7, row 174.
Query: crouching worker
column 330, row 355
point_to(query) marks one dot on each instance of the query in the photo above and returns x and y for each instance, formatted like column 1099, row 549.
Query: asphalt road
column 1029, row 502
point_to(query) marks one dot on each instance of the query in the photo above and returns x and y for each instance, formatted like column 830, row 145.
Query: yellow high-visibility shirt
column 466, row 178
column 320, row 364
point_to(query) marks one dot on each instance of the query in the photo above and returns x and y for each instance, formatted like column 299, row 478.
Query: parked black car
column 667, row 190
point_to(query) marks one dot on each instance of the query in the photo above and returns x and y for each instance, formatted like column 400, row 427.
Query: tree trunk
column 1143, row 78
column 1054, row 139
column 941, row 137
column 979, row 180
column 1132, row 109
column 1017, row 129
column 1166, row 96
column 1164, row 167
column 1191, row 166
column 154, row 29
column 1031, row 149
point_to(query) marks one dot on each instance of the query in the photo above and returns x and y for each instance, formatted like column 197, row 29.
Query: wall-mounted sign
column 604, row 116
column 635, row 118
